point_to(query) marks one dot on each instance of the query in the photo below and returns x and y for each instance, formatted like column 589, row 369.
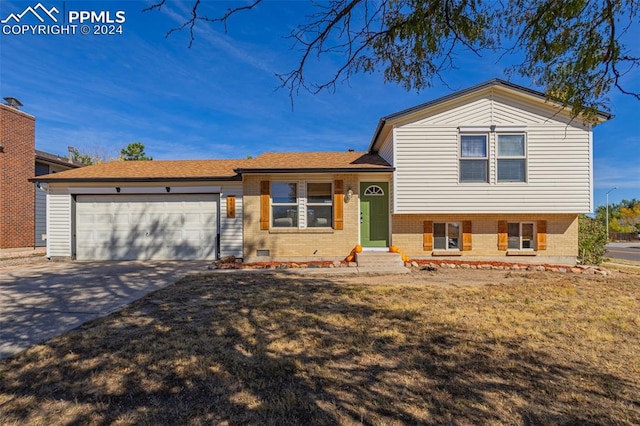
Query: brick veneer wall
column 562, row 236
column 298, row 244
column 17, row 159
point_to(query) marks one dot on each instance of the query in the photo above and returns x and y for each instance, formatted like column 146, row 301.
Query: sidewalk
column 318, row 271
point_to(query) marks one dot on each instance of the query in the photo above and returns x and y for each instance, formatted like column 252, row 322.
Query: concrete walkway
column 38, row 302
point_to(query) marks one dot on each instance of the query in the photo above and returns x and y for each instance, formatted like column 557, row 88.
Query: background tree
column 134, row 152
column 630, row 216
column 623, row 217
column 91, row 155
column 573, row 49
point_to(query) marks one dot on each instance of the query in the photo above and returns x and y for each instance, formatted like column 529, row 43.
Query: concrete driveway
column 38, row 302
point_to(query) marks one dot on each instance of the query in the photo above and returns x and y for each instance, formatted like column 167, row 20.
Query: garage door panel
column 142, row 227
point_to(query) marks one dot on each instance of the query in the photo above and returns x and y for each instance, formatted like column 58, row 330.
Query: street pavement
column 625, row 251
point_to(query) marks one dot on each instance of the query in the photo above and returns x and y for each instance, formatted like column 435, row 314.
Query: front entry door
column 374, row 214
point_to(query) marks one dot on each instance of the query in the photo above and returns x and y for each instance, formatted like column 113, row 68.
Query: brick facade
column 298, row 244
column 17, row 137
column 406, row 232
column 562, row 237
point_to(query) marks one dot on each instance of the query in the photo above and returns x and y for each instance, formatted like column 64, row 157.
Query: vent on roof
column 12, row 102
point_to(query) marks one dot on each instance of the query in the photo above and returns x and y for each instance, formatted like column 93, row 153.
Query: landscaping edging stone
column 233, row 263
column 563, row 269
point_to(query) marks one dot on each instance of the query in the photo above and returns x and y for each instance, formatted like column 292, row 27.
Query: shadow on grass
column 267, row 349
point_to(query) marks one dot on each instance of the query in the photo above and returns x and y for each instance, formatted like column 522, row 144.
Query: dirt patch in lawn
column 450, row 346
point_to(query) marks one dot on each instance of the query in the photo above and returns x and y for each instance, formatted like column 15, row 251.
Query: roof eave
column 315, row 170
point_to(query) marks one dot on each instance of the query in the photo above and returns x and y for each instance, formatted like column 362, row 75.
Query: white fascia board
column 146, row 190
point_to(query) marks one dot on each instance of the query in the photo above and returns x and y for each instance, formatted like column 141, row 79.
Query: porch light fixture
column 168, row 188
column 117, row 189
column 348, row 195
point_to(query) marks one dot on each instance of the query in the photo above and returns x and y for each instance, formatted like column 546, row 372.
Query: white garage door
column 145, row 227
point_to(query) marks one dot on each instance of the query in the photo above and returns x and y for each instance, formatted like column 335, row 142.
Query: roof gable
column 502, row 89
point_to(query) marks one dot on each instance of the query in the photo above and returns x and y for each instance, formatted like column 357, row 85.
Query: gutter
column 311, row 170
column 138, row 180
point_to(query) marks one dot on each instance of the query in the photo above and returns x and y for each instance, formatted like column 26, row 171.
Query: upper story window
column 512, row 159
column 319, row 205
column 284, row 204
column 474, row 159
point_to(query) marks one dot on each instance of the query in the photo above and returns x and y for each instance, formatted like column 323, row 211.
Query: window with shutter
column 542, row 235
column 427, row 236
column 338, row 205
column 264, row 204
column 467, row 238
column 502, row 235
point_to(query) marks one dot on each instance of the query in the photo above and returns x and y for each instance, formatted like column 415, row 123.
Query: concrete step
column 379, row 260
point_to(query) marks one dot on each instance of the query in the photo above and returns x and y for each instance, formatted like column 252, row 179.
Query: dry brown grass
column 514, row 348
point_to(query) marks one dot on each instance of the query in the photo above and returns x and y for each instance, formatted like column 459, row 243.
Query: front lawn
column 451, row 346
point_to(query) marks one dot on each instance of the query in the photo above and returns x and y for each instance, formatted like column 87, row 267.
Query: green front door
column 374, row 214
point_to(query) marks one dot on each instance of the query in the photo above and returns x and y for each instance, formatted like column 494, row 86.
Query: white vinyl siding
column 58, row 223
column 386, row 150
column 231, row 228
column 40, row 217
column 427, row 162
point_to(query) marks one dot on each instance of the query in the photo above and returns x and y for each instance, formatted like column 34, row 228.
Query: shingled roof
column 221, row 170
column 300, row 162
column 145, row 171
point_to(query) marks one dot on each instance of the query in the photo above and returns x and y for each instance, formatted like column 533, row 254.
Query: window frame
column 523, row 158
column 520, row 235
column 484, row 159
column 307, row 204
column 446, row 236
column 277, row 204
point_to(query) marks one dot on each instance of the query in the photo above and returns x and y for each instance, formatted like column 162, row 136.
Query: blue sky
column 219, row 98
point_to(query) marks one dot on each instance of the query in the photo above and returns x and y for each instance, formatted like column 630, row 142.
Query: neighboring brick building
column 18, row 163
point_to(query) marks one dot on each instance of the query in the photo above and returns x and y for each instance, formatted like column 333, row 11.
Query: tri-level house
column 493, row 172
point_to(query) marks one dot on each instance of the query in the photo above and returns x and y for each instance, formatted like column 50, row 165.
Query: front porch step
column 379, row 260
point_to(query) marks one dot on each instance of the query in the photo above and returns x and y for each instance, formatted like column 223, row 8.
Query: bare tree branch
column 191, row 22
column 573, row 48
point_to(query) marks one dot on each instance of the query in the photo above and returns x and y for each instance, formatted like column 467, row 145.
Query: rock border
column 506, row 266
column 231, row 262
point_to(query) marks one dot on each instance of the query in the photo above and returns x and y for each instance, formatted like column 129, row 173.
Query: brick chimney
column 17, row 166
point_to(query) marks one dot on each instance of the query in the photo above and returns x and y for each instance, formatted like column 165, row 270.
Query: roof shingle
column 221, row 169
